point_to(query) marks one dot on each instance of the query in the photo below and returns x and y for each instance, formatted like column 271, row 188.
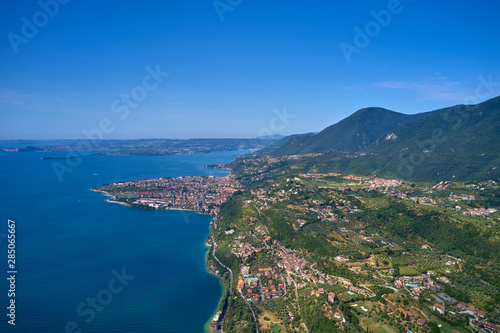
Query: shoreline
column 221, row 283
column 110, row 200
column 106, row 194
column 207, row 252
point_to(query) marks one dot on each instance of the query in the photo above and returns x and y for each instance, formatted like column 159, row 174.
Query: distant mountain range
column 282, row 141
column 140, row 146
column 460, row 142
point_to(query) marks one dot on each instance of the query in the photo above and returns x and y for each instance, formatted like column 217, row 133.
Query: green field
column 373, row 326
column 424, row 262
column 445, row 327
column 408, row 270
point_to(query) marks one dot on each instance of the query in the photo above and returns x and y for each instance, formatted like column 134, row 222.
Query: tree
column 434, row 328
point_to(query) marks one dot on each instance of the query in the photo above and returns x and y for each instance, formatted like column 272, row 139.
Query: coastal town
column 380, row 278
column 407, row 289
column 203, row 193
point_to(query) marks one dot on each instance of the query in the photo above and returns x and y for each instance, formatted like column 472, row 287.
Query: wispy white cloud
column 433, row 88
column 355, row 88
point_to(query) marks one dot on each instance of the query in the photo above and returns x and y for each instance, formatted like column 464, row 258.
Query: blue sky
column 233, row 65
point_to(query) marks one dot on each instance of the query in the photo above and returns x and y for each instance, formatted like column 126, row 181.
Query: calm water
column 71, row 245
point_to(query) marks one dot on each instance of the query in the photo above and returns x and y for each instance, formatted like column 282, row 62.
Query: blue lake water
column 86, row 264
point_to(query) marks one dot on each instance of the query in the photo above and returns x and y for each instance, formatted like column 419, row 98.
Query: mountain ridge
column 351, row 134
column 461, row 142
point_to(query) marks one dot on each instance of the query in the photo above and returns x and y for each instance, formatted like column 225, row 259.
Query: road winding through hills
column 226, row 302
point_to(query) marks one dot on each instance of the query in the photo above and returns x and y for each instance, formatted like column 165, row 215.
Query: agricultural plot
column 445, row 327
column 422, row 262
column 409, row 270
column 373, row 326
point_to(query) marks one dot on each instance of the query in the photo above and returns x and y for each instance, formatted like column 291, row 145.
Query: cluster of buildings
column 197, row 193
column 263, row 196
column 357, row 290
column 290, row 262
column 271, row 291
column 479, row 211
column 470, row 310
column 255, row 289
column 272, row 286
column 455, row 198
column 326, row 211
column 418, row 284
column 374, row 182
column 304, row 273
column 442, row 185
column 489, row 326
column 318, row 175
column 318, row 292
column 318, row 207
column 246, row 249
column 463, row 308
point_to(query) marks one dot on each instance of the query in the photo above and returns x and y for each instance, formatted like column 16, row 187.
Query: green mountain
column 352, row 134
column 460, row 142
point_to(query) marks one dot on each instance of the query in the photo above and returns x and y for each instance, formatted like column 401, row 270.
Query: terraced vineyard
column 423, row 262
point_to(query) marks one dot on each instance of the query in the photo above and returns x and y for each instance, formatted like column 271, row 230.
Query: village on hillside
column 380, row 278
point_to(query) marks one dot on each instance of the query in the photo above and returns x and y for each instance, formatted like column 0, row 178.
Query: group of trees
column 437, row 229
column 312, row 315
column 297, row 239
column 396, row 220
column 238, row 317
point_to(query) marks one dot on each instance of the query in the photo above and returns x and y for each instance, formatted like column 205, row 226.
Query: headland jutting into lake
column 196, row 193
column 199, row 193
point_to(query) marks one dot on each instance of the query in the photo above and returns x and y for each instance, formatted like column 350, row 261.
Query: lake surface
column 86, row 264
